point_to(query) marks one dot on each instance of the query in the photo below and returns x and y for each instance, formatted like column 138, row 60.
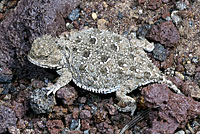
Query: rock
column 180, row 132
column 94, row 16
column 45, row 17
column 55, row 126
column 104, row 128
column 181, row 5
column 83, row 100
column 100, row 115
column 74, row 14
column 1, row 5
column 195, row 60
column 76, row 24
column 69, row 26
column 162, row 127
column 85, row 114
column 29, row 131
column 169, row 61
column 190, row 69
column 197, row 78
column 105, row 5
column 40, row 102
column 13, row 130
column 191, row 89
column 165, row 33
column 74, row 132
column 165, row 1
column 86, row 132
column 37, row 83
column 93, row 130
column 174, row 110
column 21, row 124
column 101, row 24
column 58, row 112
column 1, row 16
column 143, row 30
column 176, row 19
column 8, row 88
column 67, row 119
column 7, row 118
column 111, row 109
column 120, row 15
column 154, row 4
column 67, row 95
column 74, row 124
column 5, row 75
column 76, row 112
column 159, row 52
column 85, row 124
column 20, row 109
column 180, row 75
column 141, row 1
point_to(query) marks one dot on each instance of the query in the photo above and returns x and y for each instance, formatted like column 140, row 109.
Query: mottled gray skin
column 99, row 61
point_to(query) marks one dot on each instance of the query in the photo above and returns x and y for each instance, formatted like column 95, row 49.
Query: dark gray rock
column 159, row 52
column 74, row 124
column 41, row 103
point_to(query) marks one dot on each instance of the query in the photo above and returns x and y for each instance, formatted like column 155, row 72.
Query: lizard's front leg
column 64, row 79
column 127, row 100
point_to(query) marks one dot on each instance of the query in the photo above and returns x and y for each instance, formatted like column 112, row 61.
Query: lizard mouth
column 43, row 64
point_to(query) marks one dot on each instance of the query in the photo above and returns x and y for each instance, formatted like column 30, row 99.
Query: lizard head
column 46, row 52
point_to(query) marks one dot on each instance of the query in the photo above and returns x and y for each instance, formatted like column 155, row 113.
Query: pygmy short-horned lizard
column 99, row 61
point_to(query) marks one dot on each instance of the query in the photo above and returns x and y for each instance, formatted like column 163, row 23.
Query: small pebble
column 105, row 4
column 74, row 124
column 85, row 114
column 5, row 89
column 94, row 16
column 191, row 23
column 180, row 75
column 188, row 132
column 7, row 97
column 101, row 24
column 67, row 95
column 1, row 7
column 180, row 132
column 140, row 11
column 143, row 30
column 5, row 75
column 74, row 14
column 195, row 60
column 120, row 16
column 93, row 108
column 190, row 69
column 168, row 18
column 180, row 5
column 82, row 100
column 159, row 52
column 86, row 132
column 13, row 130
column 69, row 26
column 176, row 19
